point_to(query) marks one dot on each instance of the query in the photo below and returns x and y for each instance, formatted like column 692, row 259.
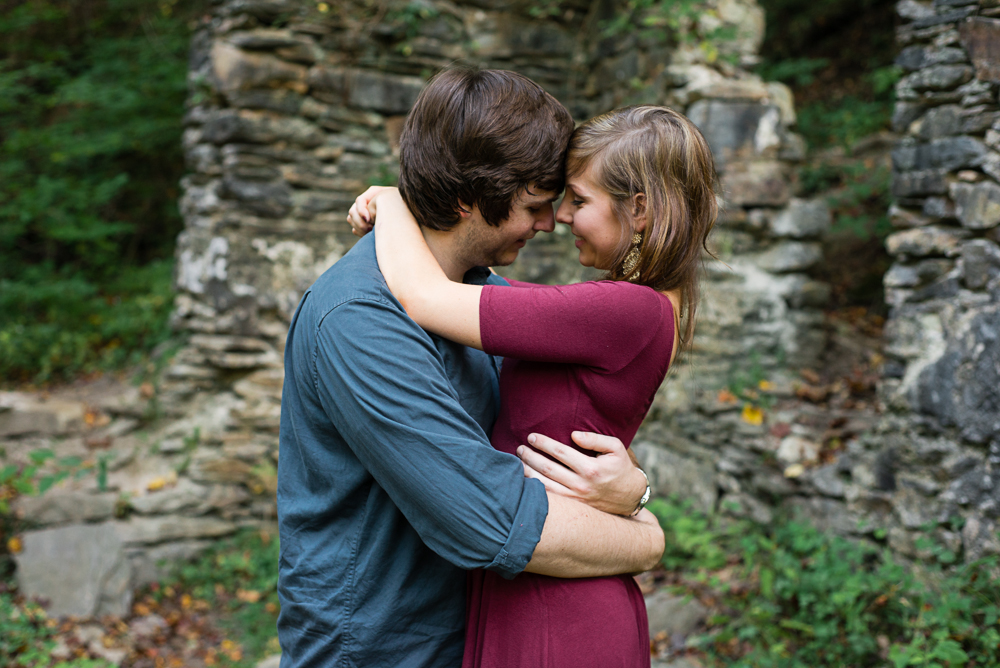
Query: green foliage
column 91, row 98
column 844, row 122
column 860, row 198
column 240, row 578
column 672, row 20
column 797, row 71
column 31, row 480
column 810, row 599
column 27, row 638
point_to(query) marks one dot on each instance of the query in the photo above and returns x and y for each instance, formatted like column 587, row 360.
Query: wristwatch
column 645, row 495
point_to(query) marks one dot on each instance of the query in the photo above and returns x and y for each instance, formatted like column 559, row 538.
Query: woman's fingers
column 362, row 212
column 359, row 225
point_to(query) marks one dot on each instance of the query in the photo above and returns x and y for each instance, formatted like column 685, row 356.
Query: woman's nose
column 563, row 214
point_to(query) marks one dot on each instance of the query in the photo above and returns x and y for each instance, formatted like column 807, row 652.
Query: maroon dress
column 585, row 357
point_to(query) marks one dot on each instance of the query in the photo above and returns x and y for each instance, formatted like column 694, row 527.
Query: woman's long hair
column 659, row 153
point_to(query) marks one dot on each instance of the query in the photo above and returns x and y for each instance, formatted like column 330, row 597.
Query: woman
column 640, row 200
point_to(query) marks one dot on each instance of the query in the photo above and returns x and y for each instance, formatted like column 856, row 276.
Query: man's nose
column 545, row 222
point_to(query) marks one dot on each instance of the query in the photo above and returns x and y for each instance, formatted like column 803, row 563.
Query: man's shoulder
column 354, row 279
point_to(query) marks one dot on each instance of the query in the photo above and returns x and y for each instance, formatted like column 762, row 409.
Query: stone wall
column 943, row 335
column 927, row 468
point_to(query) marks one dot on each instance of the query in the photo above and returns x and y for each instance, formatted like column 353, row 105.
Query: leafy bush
column 91, row 99
column 803, row 598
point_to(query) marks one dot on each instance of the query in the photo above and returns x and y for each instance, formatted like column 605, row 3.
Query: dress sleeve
column 602, row 324
column 382, row 384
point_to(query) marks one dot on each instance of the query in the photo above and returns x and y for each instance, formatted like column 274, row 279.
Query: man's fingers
column 550, row 485
column 559, row 451
column 597, row 442
column 547, row 468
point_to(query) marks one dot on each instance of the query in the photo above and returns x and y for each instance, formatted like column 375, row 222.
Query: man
column 388, row 489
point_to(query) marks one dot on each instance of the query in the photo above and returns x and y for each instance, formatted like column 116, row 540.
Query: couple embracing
column 453, row 488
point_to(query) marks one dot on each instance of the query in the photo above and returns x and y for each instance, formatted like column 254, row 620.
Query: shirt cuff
column 525, row 532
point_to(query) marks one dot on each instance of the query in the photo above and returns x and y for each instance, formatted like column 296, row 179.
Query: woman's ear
column 639, row 212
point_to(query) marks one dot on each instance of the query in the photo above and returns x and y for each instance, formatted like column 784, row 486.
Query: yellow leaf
column 752, row 414
column 794, row 471
column 156, row 483
column 248, row 595
column 323, row 7
column 765, row 385
column 186, row 601
column 14, row 545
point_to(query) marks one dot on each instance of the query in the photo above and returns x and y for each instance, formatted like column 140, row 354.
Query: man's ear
column 639, row 212
column 464, row 210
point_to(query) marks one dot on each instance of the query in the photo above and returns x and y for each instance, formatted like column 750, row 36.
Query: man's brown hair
column 661, row 154
column 480, row 137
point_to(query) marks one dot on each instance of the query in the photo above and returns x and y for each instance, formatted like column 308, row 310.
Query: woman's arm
column 411, row 271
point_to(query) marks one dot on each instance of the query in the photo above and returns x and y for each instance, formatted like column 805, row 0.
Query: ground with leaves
column 219, row 611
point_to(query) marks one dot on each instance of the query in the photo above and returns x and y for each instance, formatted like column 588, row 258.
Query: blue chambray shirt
column 388, row 487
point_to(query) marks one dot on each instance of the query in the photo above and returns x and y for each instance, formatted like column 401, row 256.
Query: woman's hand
column 609, row 482
column 362, row 213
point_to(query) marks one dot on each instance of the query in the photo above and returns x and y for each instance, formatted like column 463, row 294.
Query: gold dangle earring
column 632, row 259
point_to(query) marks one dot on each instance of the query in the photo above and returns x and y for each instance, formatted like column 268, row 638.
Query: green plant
column 673, row 20
column 26, row 480
column 27, row 637
column 798, row 71
column 407, row 21
column 240, row 579
column 91, row 99
column 803, row 598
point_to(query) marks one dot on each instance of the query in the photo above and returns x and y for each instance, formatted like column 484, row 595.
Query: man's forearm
column 579, row 541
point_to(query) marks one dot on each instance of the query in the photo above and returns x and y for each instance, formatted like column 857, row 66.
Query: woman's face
column 586, row 209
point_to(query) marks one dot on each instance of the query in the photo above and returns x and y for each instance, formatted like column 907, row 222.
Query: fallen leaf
column 752, row 415
column 726, row 397
column 147, row 390
column 156, row 483
column 794, row 471
column 14, row 545
column 810, row 376
column 812, row 393
column 765, row 385
column 248, row 595
column 97, row 442
column 781, row 429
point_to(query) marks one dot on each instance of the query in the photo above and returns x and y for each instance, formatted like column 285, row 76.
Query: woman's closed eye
column 576, row 202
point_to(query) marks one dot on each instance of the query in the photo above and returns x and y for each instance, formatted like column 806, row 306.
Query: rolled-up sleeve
column 383, row 385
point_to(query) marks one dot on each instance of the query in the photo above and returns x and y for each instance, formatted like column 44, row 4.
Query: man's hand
column 362, row 213
column 609, row 482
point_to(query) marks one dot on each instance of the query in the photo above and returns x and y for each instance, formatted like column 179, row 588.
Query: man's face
column 487, row 246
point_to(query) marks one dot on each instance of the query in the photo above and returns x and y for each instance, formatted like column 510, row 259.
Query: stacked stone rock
column 943, row 334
